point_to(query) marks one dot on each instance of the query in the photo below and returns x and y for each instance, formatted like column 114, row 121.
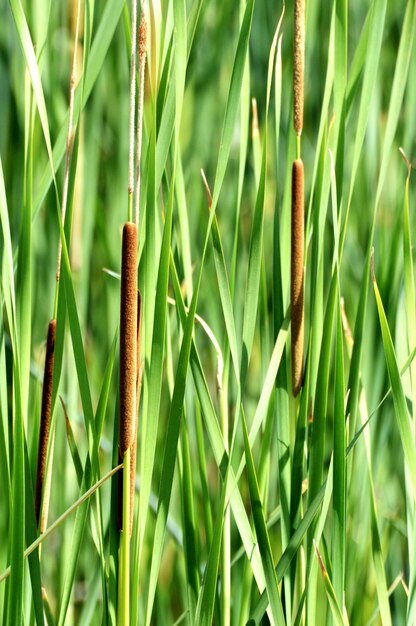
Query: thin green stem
column 123, row 609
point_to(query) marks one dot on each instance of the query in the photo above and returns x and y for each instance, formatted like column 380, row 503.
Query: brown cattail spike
column 45, row 416
column 299, row 65
column 296, row 283
column 128, row 336
column 133, row 452
column 133, row 449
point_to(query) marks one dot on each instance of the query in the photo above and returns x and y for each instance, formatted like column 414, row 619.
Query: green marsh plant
column 231, row 410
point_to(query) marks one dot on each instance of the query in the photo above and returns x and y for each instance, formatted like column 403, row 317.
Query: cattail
column 299, row 65
column 128, row 335
column 45, row 418
column 133, row 452
column 133, row 449
column 296, row 283
column 128, row 342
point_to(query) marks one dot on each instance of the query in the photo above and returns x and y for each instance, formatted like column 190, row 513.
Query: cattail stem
column 45, row 421
column 298, row 66
column 296, row 283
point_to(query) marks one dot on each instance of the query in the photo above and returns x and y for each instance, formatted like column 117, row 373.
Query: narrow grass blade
column 205, row 607
column 339, row 523
column 400, row 407
column 262, row 535
column 331, row 595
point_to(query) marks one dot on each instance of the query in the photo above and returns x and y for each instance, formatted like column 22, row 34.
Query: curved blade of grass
column 268, row 385
column 232, row 102
column 410, row 300
column 99, row 49
column 370, row 74
column 339, row 529
column 190, row 535
column 72, row 446
column 92, row 466
column 396, row 98
column 33, row 546
column 17, row 511
column 217, row 444
column 24, row 260
column 331, row 595
column 400, row 407
column 256, row 239
column 175, row 412
column 32, row 66
column 317, row 444
column 376, row 549
column 262, row 534
column 206, row 600
column 290, row 551
column 401, row 71
column 150, row 421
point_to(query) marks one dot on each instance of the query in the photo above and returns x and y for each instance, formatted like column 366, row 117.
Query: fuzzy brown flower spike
column 299, row 65
column 128, row 359
column 296, row 283
column 133, row 453
column 45, row 417
column 128, row 336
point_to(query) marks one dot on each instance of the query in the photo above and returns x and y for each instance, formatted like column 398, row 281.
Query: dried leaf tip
column 298, row 65
column 207, row 189
column 320, row 561
column 407, row 162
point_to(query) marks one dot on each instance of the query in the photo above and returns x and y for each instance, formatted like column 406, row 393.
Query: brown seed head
column 128, row 336
column 133, row 449
column 299, row 65
column 296, row 282
column 45, row 416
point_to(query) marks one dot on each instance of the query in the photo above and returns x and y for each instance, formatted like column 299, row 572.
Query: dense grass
column 251, row 506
